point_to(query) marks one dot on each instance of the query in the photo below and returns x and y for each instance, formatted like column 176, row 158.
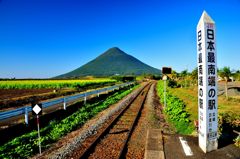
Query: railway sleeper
column 122, row 134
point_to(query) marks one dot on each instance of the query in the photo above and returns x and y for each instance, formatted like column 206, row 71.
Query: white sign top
column 207, row 83
column 37, row 109
column 164, row 77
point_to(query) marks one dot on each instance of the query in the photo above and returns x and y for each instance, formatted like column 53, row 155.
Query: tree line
column 186, row 79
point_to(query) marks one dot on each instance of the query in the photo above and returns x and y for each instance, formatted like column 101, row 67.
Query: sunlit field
column 35, row 84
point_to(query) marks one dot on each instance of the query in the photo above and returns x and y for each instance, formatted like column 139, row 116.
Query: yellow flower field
column 35, row 84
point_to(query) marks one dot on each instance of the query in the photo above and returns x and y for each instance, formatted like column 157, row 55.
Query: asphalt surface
column 174, row 150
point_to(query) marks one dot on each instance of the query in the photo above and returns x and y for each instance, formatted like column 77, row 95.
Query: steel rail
column 90, row 148
column 124, row 147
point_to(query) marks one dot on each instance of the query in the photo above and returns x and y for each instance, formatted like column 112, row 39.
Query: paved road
column 174, row 150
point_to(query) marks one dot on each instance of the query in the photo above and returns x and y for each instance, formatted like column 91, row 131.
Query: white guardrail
column 63, row 100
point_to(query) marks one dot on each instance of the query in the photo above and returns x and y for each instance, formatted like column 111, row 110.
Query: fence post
column 64, row 103
column 98, row 93
column 26, row 115
column 85, row 99
column 165, row 103
column 106, row 90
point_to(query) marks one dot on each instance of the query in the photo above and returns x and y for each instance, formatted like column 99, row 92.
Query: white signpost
column 165, row 71
column 37, row 109
column 165, row 85
column 207, row 84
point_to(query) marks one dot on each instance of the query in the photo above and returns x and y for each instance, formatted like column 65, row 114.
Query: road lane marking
column 186, row 147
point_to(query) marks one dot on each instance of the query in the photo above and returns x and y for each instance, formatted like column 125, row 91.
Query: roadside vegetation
column 176, row 111
column 27, row 144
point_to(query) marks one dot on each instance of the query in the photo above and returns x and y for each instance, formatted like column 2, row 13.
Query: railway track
column 111, row 142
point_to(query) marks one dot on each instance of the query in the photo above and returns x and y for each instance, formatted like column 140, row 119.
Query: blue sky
column 45, row 38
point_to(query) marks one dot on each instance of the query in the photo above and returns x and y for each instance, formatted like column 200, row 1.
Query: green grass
column 175, row 111
column 189, row 96
column 228, row 117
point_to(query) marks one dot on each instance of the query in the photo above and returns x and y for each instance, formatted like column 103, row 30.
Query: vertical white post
column 85, row 99
column 98, row 93
column 39, row 139
column 165, row 85
column 26, row 115
column 207, row 84
column 106, row 91
column 64, row 103
column 165, row 94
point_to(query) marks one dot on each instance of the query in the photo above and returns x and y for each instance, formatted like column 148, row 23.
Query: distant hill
column 113, row 61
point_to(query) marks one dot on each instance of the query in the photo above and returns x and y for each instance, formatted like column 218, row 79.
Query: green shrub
column 172, row 83
column 237, row 141
column 227, row 122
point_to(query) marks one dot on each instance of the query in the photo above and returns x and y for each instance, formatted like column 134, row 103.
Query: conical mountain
column 113, row 61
